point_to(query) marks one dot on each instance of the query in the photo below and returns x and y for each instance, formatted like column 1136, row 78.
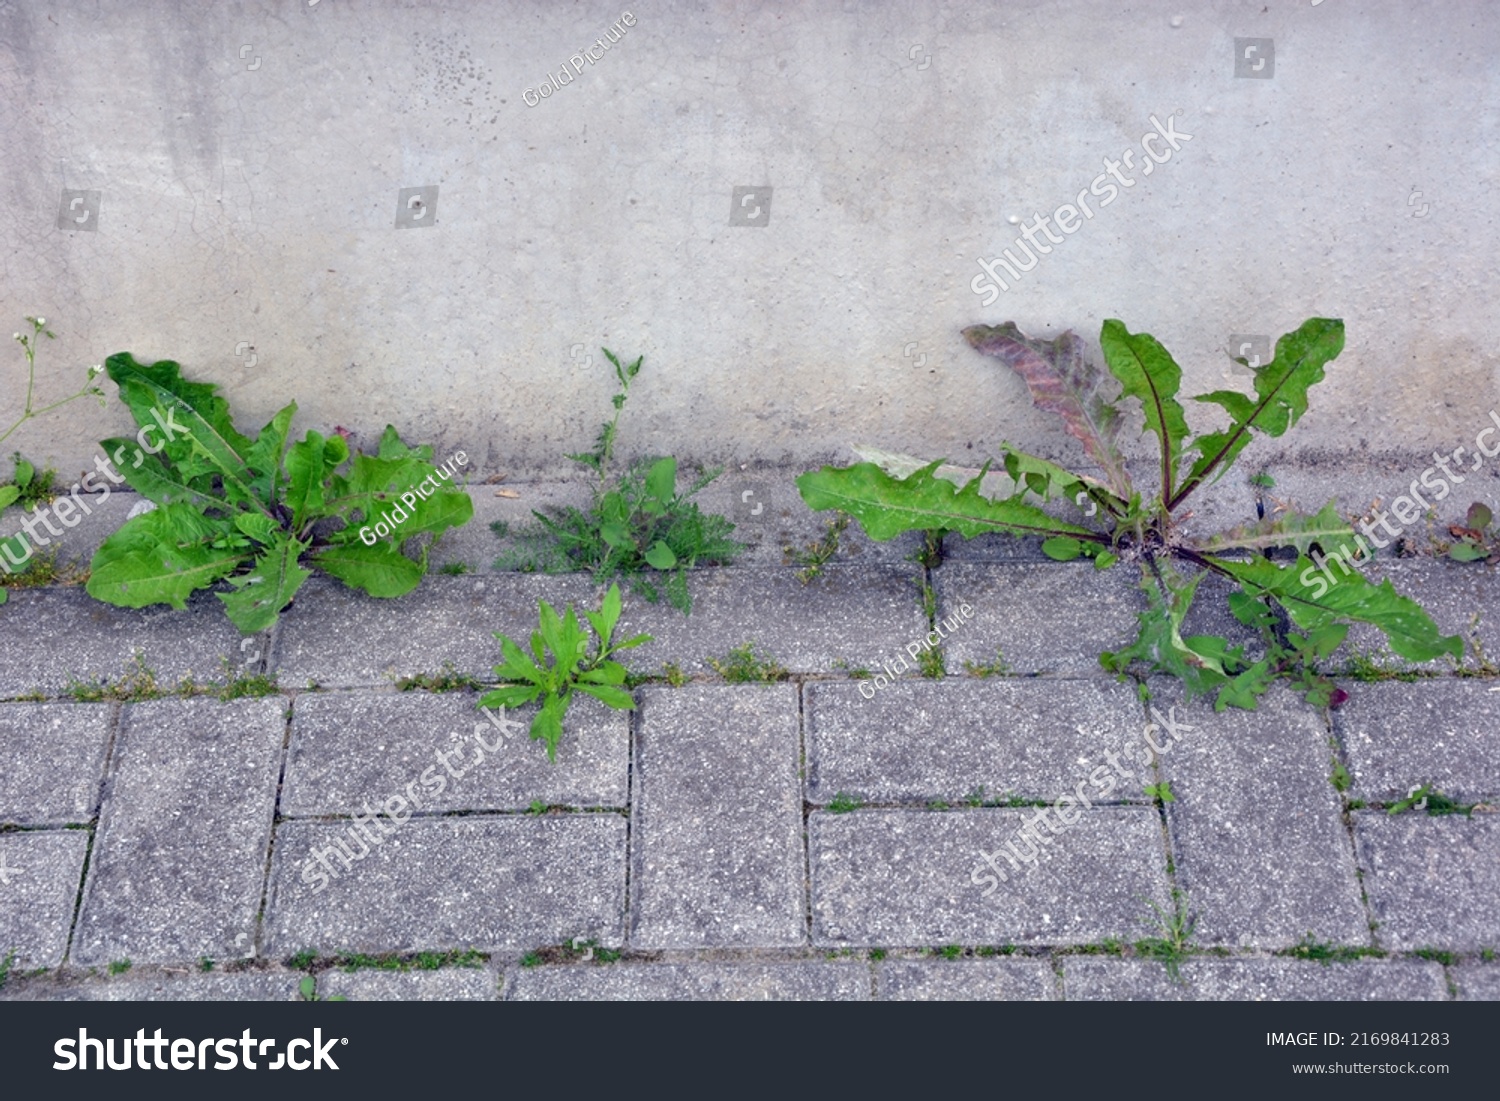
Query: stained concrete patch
column 185, row 823
column 947, row 739
column 349, row 749
column 54, row 754
column 1440, row 732
column 39, row 875
column 102, row 641
column 445, row 984
column 717, row 842
column 1253, row 980
column 907, row 877
column 444, row 620
column 490, row 883
column 1051, row 618
column 1432, row 881
column 966, row 981
column 696, row 982
column 1263, row 854
column 855, row 615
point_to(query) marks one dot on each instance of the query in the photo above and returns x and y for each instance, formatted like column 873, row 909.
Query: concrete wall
column 250, row 158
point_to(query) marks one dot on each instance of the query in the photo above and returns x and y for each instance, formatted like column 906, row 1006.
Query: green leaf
column 1312, row 603
column 547, row 725
column 307, row 986
column 1197, row 662
column 265, row 454
column 8, row 494
column 518, row 666
column 304, row 465
column 267, row 587
column 1105, row 559
column 157, row 482
column 1062, row 381
column 259, row 527
column 4, row 594
column 886, row 507
column 1478, row 517
column 160, row 557
column 1062, row 549
column 1148, row 372
column 1280, row 399
column 381, row 570
column 1467, row 552
column 660, row 556
column 24, row 473
column 1294, row 529
column 510, row 695
column 392, row 447
column 661, row 480
column 616, row 535
column 603, row 621
column 617, row 698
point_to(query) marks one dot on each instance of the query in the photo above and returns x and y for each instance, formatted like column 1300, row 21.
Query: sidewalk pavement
column 816, row 837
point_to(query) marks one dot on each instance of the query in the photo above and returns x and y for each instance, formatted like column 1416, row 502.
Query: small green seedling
column 532, row 677
column 1161, row 792
column 1475, row 540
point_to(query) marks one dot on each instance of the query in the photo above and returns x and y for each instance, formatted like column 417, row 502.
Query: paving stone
column 504, row 883
column 39, row 875
column 1432, row 881
column 446, row 984
column 350, row 748
column 443, row 620
column 1443, row 732
column 180, row 855
column 1262, row 850
column 698, row 982
column 213, row 986
column 1052, row 618
column 1478, row 982
column 966, row 981
column 717, row 830
column 1253, row 980
column 54, row 755
column 854, row 615
column 476, row 545
column 903, row 877
column 927, row 740
column 102, row 640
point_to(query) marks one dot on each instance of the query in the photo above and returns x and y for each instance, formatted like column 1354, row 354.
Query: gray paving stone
column 350, row 748
column 1253, row 980
column 39, row 875
column 180, row 855
column 70, row 635
column 54, row 755
column 1263, row 853
column 927, row 740
column 903, row 877
column 444, row 619
column 966, row 981
column 158, row 986
column 475, row 544
column 494, row 884
column 446, row 984
column 856, row 615
column 698, row 982
column 1052, row 617
column 1444, row 732
column 716, row 849
column 1432, row 881
column 1478, row 982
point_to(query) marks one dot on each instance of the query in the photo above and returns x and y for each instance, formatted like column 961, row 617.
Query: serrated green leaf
column 1294, row 529
column 154, row 480
column 1148, row 372
column 517, row 664
column 259, row 527
column 1280, row 399
column 381, row 570
column 160, row 557
column 886, row 507
column 304, row 465
column 267, row 587
column 617, row 698
column 547, row 725
column 264, row 456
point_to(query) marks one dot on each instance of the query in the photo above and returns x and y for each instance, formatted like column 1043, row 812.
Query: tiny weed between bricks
column 139, row 682
column 742, row 665
column 816, row 554
column 638, row 527
column 527, row 678
column 1301, row 620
